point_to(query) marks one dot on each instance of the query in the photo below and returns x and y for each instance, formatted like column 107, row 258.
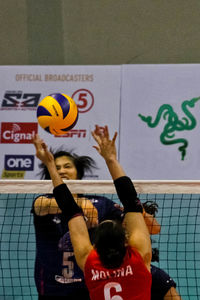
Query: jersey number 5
column 107, row 289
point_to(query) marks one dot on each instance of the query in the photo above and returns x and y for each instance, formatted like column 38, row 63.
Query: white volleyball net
column 178, row 242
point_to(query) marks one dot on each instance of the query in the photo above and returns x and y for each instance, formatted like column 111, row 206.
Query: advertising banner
column 160, row 121
column 96, row 91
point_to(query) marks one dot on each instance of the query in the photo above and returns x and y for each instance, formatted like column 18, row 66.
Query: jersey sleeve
column 161, row 283
column 108, row 209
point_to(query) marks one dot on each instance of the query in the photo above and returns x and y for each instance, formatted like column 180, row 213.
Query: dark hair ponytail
column 110, row 243
column 151, row 207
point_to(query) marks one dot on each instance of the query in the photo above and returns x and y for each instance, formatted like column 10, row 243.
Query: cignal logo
column 18, row 133
column 17, row 100
column 19, row 162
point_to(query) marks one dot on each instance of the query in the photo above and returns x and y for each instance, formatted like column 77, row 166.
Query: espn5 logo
column 19, row 162
column 18, row 100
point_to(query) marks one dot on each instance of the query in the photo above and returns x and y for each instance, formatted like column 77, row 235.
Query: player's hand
column 42, row 151
column 106, row 147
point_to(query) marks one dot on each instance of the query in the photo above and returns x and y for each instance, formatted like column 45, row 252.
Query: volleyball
column 57, row 113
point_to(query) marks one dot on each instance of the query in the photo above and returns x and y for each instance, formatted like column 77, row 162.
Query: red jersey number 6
column 107, row 289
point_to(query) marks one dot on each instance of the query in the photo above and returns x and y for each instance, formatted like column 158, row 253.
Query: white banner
column 160, row 121
column 96, row 90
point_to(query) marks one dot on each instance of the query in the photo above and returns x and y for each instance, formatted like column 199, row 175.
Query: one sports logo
column 174, row 124
column 19, row 162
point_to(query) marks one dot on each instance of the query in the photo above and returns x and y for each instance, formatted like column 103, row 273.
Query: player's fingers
column 97, row 130
column 44, row 146
column 106, row 132
column 36, row 140
column 39, row 143
column 93, row 133
column 114, row 137
column 96, row 137
column 97, row 148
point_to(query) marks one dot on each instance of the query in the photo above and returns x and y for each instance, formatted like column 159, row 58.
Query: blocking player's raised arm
column 134, row 221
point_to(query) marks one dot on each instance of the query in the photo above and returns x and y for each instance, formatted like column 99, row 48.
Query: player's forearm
column 114, row 168
column 80, row 240
column 62, row 194
column 124, row 187
column 55, row 177
column 127, row 194
column 66, row 202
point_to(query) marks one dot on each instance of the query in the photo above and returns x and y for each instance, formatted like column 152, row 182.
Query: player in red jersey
column 118, row 265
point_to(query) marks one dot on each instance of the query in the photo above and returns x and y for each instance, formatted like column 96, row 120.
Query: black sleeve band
column 66, row 201
column 127, row 195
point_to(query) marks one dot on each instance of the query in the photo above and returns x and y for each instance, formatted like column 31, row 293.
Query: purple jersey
column 161, row 283
column 56, row 271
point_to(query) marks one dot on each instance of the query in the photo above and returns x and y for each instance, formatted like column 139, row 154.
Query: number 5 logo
column 107, row 289
column 84, row 100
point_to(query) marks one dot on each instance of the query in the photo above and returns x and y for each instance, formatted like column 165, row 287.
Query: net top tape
column 101, row 186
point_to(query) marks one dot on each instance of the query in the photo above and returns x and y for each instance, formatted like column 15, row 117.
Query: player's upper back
column 129, row 282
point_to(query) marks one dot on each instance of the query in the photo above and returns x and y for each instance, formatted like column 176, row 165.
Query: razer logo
column 174, row 124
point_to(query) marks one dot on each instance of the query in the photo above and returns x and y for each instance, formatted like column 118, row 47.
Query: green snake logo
column 174, row 124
